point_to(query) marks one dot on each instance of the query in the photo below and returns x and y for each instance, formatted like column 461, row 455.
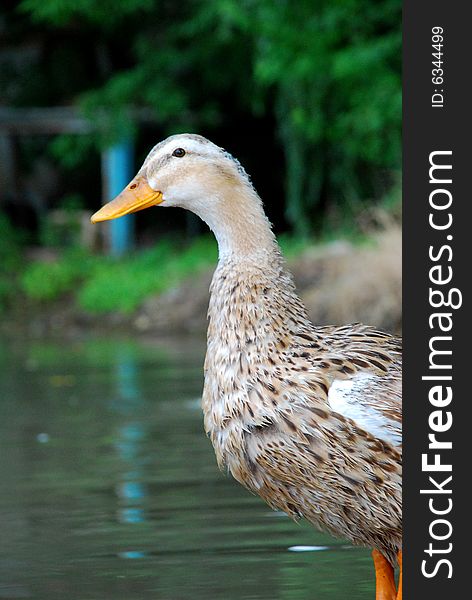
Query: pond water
column 110, row 489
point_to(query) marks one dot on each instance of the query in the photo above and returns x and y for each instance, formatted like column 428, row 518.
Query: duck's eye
column 179, row 152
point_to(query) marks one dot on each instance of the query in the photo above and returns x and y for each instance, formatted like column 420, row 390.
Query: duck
column 307, row 417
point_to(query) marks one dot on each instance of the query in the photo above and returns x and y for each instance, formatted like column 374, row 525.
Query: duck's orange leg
column 399, row 592
column 384, row 578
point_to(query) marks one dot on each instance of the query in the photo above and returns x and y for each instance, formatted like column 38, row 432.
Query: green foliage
column 61, row 12
column 336, row 74
column 47, row 281
column 124, row 285
column 70, row 150
column 102, row 284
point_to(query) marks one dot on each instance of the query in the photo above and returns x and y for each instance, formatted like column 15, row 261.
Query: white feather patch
column 345, row 397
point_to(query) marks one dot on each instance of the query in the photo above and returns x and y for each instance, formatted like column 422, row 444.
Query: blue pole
column 117, row 169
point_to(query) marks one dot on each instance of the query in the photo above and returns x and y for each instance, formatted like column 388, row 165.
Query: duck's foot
column 399, row 592
column 384, row 578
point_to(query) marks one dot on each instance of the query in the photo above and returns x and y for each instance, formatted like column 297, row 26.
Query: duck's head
column 189, row 171
column 185, row 170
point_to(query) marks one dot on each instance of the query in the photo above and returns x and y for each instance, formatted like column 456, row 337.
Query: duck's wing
column 331, row 449
column 362, row 368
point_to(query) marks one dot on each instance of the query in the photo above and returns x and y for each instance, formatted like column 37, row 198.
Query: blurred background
column 109, row 487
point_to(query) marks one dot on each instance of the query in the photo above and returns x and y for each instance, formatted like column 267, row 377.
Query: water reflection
column 131, row 490
column 110, row 488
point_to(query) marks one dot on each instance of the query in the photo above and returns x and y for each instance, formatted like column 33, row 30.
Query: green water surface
column 110, row 489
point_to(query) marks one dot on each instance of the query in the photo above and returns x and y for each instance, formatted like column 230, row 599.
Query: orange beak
column 136, row 196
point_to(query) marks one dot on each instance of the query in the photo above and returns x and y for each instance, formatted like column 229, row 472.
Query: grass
column 102, row 284
column 123, row 285
column 46, row 281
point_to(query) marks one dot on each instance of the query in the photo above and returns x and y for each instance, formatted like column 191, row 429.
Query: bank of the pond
column 340, row 282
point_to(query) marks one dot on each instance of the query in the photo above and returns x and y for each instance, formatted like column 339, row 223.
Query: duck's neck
column 241, row 228
column 252, row 295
